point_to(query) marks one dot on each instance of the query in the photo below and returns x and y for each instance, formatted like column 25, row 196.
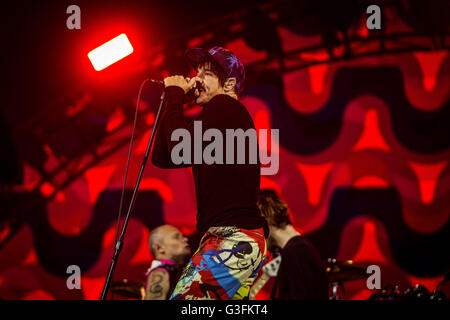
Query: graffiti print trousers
column 224, row 266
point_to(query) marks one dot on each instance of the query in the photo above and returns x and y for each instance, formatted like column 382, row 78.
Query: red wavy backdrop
column 371, row 180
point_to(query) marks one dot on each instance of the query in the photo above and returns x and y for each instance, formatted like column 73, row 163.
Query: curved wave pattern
column 420, row 254
column 364, row 154
column 305, row 134
column 56, row 252
column 368, row 150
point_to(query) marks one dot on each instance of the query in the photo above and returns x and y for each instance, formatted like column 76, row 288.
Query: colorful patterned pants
column 224, row 266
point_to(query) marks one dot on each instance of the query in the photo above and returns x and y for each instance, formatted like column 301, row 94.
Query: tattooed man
column 171, row 251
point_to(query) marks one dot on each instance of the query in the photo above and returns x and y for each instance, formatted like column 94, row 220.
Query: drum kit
column 417, row 293
column 129, row 289
column 342, row 271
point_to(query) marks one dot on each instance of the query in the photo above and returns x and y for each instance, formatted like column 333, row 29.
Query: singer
column 233, row 244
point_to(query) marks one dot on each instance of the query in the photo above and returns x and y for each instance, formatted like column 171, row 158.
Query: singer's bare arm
column 157, row 285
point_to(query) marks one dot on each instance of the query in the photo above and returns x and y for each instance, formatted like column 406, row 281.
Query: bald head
column 167, row 242
column 156, row 238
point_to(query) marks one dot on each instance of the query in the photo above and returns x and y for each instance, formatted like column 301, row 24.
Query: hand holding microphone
column 184, row 83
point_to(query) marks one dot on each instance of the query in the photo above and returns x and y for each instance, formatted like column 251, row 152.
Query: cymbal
column 130, row 289
column 340, row 271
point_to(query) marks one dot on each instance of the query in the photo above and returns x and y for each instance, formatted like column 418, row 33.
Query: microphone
column 160, row 82
column 188, row 97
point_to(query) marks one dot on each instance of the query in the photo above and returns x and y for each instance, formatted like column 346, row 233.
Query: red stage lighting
column 110, row 52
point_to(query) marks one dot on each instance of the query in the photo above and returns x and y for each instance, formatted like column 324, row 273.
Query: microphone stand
column 119, row 242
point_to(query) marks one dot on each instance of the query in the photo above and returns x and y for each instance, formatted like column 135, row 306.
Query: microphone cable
column 126, row 168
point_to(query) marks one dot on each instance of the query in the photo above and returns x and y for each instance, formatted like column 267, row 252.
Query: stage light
column 110, row 52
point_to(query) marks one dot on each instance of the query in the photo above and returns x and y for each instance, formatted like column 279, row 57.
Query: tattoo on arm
column 157, row 286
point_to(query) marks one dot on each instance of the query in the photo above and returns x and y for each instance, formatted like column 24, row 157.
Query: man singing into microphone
column 233, row 243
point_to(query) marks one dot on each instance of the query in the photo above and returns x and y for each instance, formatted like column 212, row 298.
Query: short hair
column 218, row 71
column 273, row 209
column 154, row 238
